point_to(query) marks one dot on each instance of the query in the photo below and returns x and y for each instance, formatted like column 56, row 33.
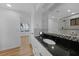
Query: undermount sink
column 48, row 41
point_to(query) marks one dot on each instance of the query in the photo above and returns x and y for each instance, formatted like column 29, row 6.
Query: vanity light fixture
column 9, row 5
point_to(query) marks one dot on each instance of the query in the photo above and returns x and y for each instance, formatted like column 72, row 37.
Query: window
column 24, row 27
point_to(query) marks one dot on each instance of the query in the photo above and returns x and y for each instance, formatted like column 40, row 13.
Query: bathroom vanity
column 63, row 47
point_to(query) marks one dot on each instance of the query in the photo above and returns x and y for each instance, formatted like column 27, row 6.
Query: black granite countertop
column 68, row 37
column 59, row 49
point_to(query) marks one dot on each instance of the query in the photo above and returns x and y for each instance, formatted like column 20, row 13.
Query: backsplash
column 71, row 32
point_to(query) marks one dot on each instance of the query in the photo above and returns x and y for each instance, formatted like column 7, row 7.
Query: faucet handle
column 74, row 38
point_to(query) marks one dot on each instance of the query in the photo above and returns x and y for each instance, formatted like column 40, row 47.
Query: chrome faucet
column 73, row 38
column 74, row 34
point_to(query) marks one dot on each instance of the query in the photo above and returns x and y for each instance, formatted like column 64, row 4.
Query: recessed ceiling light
column 72, row 13
column 68, row 10
column 9, row 5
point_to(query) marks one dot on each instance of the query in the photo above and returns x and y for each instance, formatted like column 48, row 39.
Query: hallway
column 24, row 50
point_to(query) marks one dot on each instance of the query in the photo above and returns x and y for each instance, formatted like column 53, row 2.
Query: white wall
column 25, row 18
column 37, row 22
column 44, row 22
column 53, row 26
column 40, row 22
column 9, row 29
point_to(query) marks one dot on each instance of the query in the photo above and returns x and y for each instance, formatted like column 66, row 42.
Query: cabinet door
column 35, row 47
column 42, row 50
column 39, row 49
column 35, row 51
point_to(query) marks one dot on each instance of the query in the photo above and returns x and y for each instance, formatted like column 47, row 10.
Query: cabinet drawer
column 39, row 49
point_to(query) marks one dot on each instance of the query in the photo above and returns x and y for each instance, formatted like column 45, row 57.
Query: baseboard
column 3, row 51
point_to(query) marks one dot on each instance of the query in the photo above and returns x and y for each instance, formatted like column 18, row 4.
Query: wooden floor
column 24, row 50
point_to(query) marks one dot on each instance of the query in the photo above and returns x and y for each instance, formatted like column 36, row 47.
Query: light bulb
column 9, row 5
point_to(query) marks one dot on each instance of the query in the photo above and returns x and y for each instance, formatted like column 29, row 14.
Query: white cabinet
column 36, row 51
column 43, row 51
column 39, row 49
column 35, row 46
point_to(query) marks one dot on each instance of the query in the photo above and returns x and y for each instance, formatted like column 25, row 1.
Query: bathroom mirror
column 71, row 22
column 74, row 22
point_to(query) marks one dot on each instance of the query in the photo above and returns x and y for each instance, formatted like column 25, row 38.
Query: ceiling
column 22, row 7
column 54, row 9
column 64, row 10
column 26, row 7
